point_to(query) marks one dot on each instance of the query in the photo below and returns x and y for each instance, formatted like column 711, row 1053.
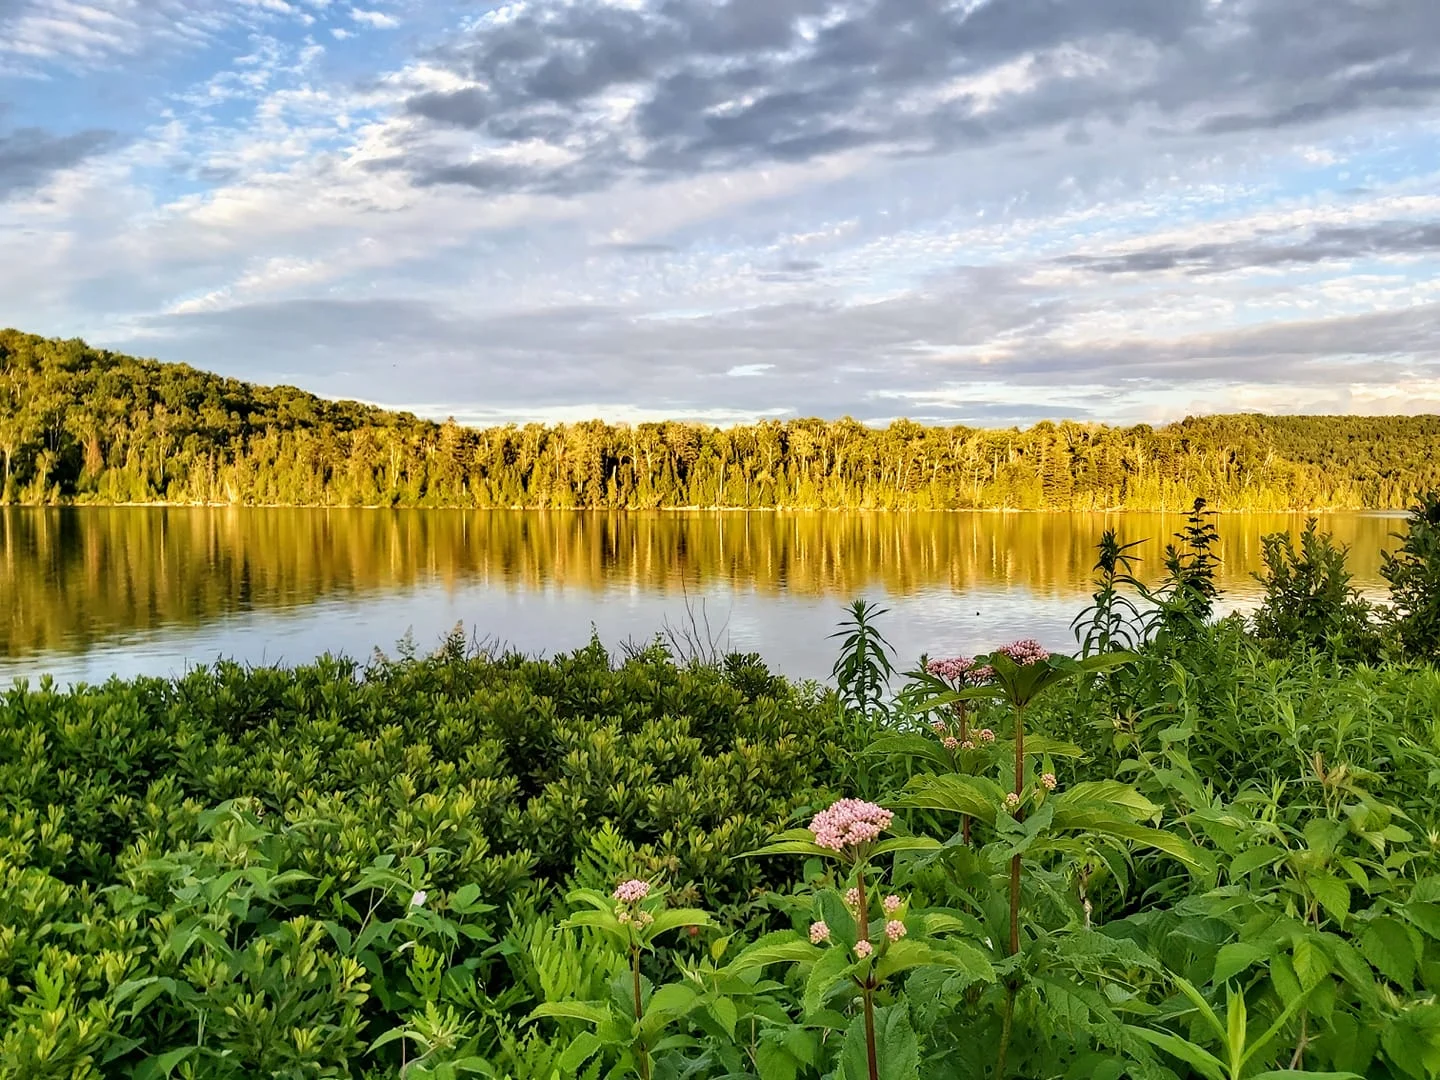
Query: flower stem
column 641, row 1052
column 1006, row 1025
column 964, row 735
column 867, row 988
column 1015, row 861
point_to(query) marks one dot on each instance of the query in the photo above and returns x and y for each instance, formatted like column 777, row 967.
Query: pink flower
column 1028, row 651
column 950, row 742
column 852, row 899
column 632, row 891
column 1012, row 801
column 1048, row 779
column 986, row 735
column 891, row 904
column 894, row 929
column 849, row 823
column 959, row 671
column 863, row 949
column 940, row 727
column 622, row 917
column 819, row 932
column 967, row 745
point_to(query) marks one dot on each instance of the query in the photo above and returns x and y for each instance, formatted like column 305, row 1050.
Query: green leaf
column 677, row 917
column 1333, row 895
column 974, row 795
column 580, row 1050
column 828, row 972
column 1204, row 1062
column 952, row 955
column 784, row 947
column 1116, row 798
column 897, row 1051
column 1254, row 858
column 592, row 1012
column 1386, row 944
column 1235, row 958
column 905, row 843
column 163, row 1065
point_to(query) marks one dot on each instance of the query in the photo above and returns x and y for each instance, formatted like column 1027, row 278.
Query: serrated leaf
column 1235, row 958
column 783, row 947
column 828, row 971
column 1386, row 944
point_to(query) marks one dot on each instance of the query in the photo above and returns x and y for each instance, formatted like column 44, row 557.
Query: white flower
column 418, row 900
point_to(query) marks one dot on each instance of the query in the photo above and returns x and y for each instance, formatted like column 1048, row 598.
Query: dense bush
column 1207, row 857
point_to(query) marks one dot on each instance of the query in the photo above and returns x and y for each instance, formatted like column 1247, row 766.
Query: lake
column 87, row 593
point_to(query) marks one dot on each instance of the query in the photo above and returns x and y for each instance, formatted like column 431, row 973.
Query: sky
column 985, row 212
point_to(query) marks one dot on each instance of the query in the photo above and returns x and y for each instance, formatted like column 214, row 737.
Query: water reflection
column 89, row 591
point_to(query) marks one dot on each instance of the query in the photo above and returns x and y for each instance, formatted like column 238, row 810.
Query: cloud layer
column 985, row 211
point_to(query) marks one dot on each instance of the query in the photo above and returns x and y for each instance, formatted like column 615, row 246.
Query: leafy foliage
column 1209, row 857
column 1414, row 576
column 1309, row 602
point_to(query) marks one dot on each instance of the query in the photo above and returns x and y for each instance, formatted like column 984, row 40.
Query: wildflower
column 1028, row 651
column 986, row 735
column 623, row 917
column 968, row 744
column 632, row 891
column 951, row 743
column 894, row 929
column 940, row 727
column 849, row 823
column 644, row 918
column 1012, row 801
column 959, row 670
column 819, row 932
column 891, row 904
column 852, row 899
column 1048, row 779
column 418, row 899
column 863, row 949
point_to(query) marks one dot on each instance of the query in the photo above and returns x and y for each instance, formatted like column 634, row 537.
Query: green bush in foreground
column 1207, row 857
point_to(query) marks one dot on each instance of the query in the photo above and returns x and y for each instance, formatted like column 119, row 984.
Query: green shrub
column 1309, row 602
column 1413, row 573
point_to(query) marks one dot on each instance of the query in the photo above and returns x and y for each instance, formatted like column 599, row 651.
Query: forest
column 81, row 425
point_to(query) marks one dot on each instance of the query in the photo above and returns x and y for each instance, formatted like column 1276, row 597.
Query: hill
column 83, row 425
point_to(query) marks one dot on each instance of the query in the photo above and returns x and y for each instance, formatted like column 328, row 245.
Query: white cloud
column 378, row 20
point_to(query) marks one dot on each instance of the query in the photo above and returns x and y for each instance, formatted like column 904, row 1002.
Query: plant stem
column 642, row 1053
column 1015, row 860
column 964, row 735
column 1006, row 1024
column 867, row 988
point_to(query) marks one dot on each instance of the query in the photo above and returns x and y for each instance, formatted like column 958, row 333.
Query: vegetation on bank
column 1198, row 849
column 84, row 425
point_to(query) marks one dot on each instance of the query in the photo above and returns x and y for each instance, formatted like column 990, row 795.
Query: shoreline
column 1393, row 511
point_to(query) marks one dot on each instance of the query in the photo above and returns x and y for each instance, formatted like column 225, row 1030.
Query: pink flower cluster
column 1028, row 651
column 959, row 671
column 632, row 891
column 894, row 929
column 863, row 949
column 1048, row 779
column 849, row 823
column 891, row 904
column 1012, row 801
column 852, row 900
column 985, row 735
column 819, row 933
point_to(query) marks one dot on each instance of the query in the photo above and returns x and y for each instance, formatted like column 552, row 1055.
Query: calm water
column 88, row 593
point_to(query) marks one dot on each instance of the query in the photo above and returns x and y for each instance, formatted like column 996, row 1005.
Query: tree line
column 85, row 425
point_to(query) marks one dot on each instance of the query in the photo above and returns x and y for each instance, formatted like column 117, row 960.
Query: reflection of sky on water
column 791, row 632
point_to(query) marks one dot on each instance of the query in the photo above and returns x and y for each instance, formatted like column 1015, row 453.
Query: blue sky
column 962, row 211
